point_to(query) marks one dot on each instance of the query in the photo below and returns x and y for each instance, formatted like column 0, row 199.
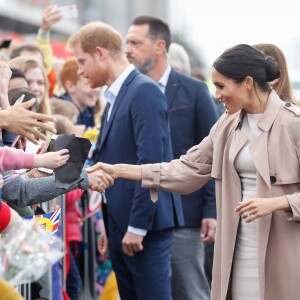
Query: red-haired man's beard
column 98, row 78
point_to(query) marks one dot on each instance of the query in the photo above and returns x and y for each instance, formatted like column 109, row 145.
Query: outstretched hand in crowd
column 51, row 160
column 18, row 119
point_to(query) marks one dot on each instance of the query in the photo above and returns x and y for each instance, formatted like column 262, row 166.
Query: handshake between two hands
column 101, row 176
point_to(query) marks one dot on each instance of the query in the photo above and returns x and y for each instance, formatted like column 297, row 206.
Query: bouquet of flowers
column 25, row 256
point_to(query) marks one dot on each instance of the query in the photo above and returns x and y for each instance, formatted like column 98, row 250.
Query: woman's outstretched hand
column 131, row 172
column 109, row 169
column 100, row 177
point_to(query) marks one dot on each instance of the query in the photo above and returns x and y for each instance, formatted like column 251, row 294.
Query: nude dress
column 245, row 281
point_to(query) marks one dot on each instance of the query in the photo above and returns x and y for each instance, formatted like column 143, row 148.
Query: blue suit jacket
column 192, row 113
column 138, row 133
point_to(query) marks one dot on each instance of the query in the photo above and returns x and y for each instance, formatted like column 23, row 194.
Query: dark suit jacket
column 137, row 133
column 192, row 113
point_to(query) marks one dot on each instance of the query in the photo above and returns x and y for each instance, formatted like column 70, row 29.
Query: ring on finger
column 246, row 215
column 249, row 214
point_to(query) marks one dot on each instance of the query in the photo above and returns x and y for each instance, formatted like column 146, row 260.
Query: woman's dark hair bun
column 272, row 69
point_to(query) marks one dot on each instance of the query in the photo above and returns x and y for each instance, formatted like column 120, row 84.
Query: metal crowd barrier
column 89, row 257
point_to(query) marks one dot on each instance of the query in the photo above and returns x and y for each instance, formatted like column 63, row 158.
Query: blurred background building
column 204, row 28
column 20, row 19
column 23, row 16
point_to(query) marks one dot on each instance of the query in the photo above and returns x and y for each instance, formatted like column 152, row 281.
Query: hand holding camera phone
column 19, row 101
column 68, row 11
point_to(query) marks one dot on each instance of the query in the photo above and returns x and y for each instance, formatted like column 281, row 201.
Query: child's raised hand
column 51, row 160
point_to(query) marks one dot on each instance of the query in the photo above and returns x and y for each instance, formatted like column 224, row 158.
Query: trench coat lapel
column 259, row 148
column 259, row 153
column 238, row 142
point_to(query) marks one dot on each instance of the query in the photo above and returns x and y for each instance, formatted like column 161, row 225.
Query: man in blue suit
column 134, row 131
column 192, row 113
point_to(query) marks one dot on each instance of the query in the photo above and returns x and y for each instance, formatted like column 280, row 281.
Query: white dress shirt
column 162, row 82
column 112, row 92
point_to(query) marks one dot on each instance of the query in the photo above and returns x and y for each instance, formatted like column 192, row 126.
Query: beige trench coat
column 276, row 155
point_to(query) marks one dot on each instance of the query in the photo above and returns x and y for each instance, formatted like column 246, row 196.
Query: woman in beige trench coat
column 241, row 75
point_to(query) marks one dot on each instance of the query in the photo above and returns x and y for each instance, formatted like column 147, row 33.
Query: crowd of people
column 197, row 199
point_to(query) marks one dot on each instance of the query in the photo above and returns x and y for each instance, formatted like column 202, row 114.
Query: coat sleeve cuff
column 294, row 201
column 151, row 179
